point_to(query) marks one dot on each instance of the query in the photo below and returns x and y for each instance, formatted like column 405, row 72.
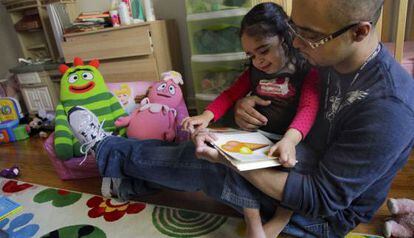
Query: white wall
column 9, row 45
column 93, row 5
column 175, row 9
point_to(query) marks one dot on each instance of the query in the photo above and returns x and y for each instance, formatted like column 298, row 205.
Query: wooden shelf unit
column 35, row 37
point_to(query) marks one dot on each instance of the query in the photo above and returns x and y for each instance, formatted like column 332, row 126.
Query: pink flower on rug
column 12, row 186
column 111, row 210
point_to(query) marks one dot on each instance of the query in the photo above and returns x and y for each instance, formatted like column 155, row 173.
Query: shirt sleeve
column 226, row 99
column 308, row 104
column 370, row 143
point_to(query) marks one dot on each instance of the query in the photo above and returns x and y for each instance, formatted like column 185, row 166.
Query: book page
column 244, row 146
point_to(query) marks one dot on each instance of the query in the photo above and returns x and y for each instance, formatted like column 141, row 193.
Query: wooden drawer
column 130, row 69
column 32, row 78
column 117, row 43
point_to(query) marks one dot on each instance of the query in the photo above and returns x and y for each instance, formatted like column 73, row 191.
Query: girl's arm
column 229, row 97
column 301, row 124
column 308, row 104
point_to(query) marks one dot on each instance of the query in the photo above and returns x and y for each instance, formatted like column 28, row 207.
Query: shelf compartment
column 201, row 6
column 220, row 35
column 36, row 47
column 218, row 14
column 214, row 74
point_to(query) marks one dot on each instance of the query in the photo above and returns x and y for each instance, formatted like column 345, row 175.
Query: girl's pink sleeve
column 226, row 99
column 308, row 104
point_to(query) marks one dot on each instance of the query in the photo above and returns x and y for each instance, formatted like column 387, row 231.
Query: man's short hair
column 351, row 11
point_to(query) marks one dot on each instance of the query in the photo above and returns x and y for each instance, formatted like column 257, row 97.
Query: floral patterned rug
column 56, row 213
column 52, row 213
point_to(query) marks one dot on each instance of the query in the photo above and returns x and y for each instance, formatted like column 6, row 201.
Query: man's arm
column 367, row 147
column 370, row 144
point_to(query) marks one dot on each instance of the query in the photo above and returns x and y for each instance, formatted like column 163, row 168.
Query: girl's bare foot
column 254, row 227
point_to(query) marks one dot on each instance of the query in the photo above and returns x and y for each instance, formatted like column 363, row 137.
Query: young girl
column 280, row 76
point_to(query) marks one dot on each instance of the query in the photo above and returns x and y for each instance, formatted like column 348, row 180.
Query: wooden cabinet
column 129, row 53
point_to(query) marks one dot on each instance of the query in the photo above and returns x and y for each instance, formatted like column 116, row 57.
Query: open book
column 245, row 150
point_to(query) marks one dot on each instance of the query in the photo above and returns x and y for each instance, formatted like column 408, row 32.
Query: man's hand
column 246, row 117
column 203, row 151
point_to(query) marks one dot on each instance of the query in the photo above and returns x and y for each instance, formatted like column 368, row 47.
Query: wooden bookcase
column 37, row 42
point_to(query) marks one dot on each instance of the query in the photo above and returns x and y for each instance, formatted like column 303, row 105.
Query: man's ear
column 361, row 31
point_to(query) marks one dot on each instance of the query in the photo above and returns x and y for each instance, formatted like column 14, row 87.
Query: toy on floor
column 10, row 173
column 10, row 115
column 156, row 118
column 83, row 85
column 41, row 124
column 402, row 223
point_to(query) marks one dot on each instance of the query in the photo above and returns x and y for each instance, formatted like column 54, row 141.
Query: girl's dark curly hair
column 267, row 20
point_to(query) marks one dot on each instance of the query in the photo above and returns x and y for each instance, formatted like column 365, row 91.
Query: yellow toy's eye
column 73, row 78
column 87, row 76
column 162, row 87
column 172, row 90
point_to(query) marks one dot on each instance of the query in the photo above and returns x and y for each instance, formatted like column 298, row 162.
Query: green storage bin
column 217, row 33
column 212, row 74
column 201, row 6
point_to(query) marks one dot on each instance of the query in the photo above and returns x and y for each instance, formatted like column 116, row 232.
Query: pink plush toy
column 156, row 118
column 402, row 224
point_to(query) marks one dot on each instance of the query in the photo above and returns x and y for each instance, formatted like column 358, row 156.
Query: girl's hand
column 196, row 123
column 285, row 150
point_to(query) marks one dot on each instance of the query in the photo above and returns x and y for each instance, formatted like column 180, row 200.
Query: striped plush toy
column 83, row 85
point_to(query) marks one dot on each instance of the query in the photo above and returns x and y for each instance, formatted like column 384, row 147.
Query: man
column 364, row 131
column 362, row 136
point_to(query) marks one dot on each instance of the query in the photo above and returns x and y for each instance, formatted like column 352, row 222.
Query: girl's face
column 266, row 53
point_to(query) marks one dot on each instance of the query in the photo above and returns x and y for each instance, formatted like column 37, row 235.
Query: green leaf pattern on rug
column 59, row 197
column 181, row 223
column 78, row 231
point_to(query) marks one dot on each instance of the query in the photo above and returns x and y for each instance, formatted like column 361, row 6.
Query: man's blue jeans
column 151, row 164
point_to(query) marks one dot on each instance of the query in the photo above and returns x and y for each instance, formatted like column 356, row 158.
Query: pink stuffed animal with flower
column 402, row 224
column 156, row 118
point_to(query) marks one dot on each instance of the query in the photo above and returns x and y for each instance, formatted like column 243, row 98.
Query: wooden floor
column 35, row 167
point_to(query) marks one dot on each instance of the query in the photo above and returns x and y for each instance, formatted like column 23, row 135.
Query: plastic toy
column 10, row 115
column 12, row 172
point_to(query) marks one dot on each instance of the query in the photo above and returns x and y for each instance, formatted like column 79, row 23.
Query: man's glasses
column 317, row 43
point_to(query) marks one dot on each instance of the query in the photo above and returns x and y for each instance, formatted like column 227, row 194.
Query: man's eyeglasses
column 315, row 44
